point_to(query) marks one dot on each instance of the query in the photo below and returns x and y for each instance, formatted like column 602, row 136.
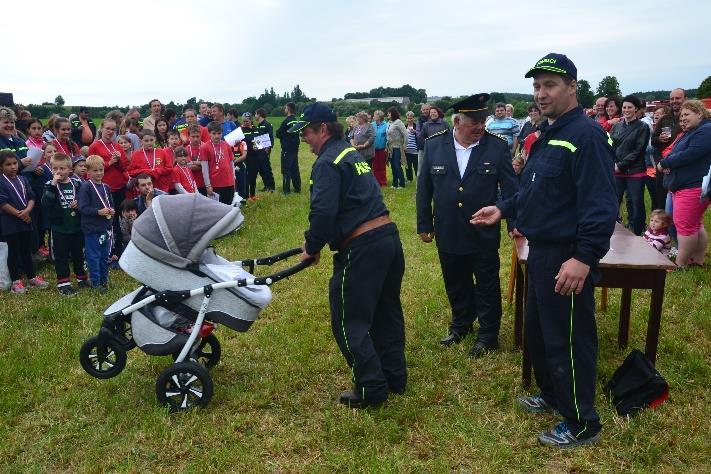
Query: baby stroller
column 187, row 291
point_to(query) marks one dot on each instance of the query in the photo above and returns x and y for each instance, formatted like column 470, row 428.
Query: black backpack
column 636, row 385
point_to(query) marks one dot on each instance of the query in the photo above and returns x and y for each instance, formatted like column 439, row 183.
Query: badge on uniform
column 438, row 169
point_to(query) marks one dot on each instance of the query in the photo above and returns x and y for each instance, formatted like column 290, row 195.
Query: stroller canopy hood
column 177, row 229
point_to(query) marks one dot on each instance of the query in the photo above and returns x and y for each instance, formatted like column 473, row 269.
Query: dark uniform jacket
column 76, row 133
column 344, row 194
column 567, row 190
column 456, row 197
column 289, row 141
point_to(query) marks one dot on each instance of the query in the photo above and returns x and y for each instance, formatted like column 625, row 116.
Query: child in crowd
column 84, row 151
column 40, row 219
column 518, row 163
column 129, row 213
column 149, row 160
column 217, row 168
column 34, row 134
column 60, row 201
column 97, row 212
column 239, row 150
column 183, row 180
column 146, row 192
column 63, row 142
column 161, row 133
column 132, row 132
column 16, row 203
column 79, row 166
column 166, row 181
column 657, row 234
column 190, row 120
column 195, row 134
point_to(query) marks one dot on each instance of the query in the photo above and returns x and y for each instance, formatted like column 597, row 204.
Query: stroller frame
column 104, row 356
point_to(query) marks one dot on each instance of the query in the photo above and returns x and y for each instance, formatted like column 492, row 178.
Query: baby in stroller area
column 187, row 289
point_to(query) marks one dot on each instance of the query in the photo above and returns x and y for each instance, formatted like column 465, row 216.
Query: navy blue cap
column 473, row 106
column 555, row 63
column 318, row 112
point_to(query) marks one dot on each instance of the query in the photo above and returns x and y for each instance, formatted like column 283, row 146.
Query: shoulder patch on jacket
column 497, row 135
column 436, row 134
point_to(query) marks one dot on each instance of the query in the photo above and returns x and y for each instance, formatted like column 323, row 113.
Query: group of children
column 70, row 195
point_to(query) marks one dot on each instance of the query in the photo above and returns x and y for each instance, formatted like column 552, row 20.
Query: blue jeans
column 96, row 247
column 398, row 175
column 636, row 212
column 669, row 209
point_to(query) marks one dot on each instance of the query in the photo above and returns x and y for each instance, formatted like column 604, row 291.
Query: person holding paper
column 265, row 170
column 255, row 156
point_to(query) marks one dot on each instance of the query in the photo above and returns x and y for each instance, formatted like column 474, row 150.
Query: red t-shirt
column 115, row 174
column 528, row 142
column 194, row 152
column 64, row 147
column 204, row 135
column 150, row 162
column 183, row 175
column 219, row 158
column 166, row 180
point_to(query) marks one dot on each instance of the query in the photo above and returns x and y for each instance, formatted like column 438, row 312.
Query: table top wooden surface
column 626, row 251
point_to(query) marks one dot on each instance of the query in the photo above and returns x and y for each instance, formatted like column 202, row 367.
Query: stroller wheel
column 124, row 334
column 207, row 352
column 104, row 364
column 183, row 386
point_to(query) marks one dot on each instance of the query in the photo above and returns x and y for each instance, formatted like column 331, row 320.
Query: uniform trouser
column 64, row 248
column 117, row 197
column 226, row 194
column 252, row 171
column 290, row 171
column 97, row 257
column 19, row 255
column 635, row 205
column 561, row 338
column 265, row 171
column 366, row 314
column 411, row 165
column 241, row 179
column 473, row 289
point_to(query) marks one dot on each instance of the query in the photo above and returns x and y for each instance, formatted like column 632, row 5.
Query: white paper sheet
column 234, row 136
column 35, row 154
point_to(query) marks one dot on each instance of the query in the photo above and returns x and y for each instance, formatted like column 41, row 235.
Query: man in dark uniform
column 348, row 213
column 255, row 156
column 289, row 152
column 566, row 207
column 462, row 171
column 265, row 170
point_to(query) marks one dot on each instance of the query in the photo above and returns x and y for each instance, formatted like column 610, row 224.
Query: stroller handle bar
column 169, row 297
column 250, row 263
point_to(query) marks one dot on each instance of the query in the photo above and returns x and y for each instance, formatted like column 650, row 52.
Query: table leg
column 655, row 316
column 603, row 299
column 518, row 307
column 513, row 273
column 624, row 329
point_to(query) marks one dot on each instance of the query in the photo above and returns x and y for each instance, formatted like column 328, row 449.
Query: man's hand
column 427, row 237
column 571, row 277
column 486, row 216
column 515, row 233
column 305, row 256
column 38, row 171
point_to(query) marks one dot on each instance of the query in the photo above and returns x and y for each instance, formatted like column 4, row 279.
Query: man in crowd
column 347, row 213
column 83, row 128
column 149, row 123
column 289, row 151
column 504, row 126
column 218, row 115
column 421, row 120
column 265, row 171
column 600, row 109
column 204, row 116
column 567, row 207
column 462, row 171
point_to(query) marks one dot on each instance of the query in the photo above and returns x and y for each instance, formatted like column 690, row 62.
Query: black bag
column 636, row 385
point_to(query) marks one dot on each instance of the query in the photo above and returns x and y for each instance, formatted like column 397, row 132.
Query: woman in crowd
column 161, row 133
column 656, row 156
column 685, row 167
column 48, row 134
column 534, row 114
column 380, row 144
column 435, row 124
column 363, row 137
column 350, row 127
column 630, row 138
column 411, row 149
column 613, row 109
column 396, row 142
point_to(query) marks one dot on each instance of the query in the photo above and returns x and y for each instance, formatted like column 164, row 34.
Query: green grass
column 275, row 408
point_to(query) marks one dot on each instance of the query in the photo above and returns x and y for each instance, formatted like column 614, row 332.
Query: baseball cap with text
column 555, row 63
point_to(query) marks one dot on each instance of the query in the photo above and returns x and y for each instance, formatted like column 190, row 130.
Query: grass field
column 275, row 407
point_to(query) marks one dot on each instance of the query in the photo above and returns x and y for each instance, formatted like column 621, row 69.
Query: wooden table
column 631, row 263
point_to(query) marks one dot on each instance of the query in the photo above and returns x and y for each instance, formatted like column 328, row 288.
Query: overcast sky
column 95, row 54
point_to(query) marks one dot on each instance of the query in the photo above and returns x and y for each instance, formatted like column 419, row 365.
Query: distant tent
column 6, row 99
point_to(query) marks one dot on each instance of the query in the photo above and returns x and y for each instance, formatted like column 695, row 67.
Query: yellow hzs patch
column 361, row 167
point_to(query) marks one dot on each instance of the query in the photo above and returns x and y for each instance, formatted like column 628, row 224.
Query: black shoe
column 83, row 284
column 67, row 290
column 453, row 337
column 480, row 348
column 351, row 400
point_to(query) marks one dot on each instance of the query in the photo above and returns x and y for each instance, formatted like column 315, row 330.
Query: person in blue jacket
column 566, row 206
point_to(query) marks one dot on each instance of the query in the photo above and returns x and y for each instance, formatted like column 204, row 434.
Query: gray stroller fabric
column 177, row 229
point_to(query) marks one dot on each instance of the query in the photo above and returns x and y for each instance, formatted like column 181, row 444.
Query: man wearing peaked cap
column 347, row 213
column 463, row 170
column 566, row 207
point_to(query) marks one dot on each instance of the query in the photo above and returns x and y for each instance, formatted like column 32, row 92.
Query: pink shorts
column 688, row 212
